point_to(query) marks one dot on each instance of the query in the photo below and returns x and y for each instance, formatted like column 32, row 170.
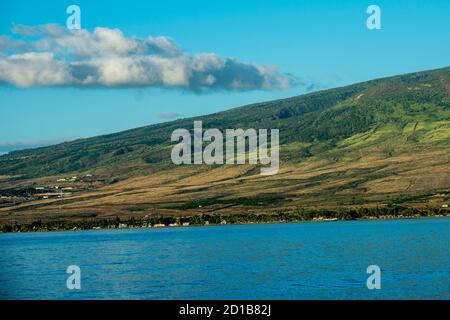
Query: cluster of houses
column 162, row 225
column 58, row 191
column 74, row 178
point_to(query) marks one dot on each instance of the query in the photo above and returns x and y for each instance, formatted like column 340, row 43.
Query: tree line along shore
column 395, row 212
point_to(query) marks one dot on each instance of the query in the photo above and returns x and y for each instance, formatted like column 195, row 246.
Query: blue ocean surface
column 310, row 260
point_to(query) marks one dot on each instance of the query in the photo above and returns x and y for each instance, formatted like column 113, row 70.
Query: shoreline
column 316, row 219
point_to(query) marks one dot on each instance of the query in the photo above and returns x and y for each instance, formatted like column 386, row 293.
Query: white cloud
column 34, row 69
column 50, row 55
column 169, row 115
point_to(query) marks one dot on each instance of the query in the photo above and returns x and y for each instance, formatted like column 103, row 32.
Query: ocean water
column 312, row 260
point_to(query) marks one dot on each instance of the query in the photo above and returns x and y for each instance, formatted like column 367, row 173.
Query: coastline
column 142, row 225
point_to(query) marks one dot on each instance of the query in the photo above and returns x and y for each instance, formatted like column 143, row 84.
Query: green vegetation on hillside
column 392, row 112
column 376, row 144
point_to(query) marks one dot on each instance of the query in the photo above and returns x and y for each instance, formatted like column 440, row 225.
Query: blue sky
column 321, row 42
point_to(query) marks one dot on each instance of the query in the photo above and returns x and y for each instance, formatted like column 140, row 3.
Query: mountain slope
column 370, row 143
column 323, row 117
